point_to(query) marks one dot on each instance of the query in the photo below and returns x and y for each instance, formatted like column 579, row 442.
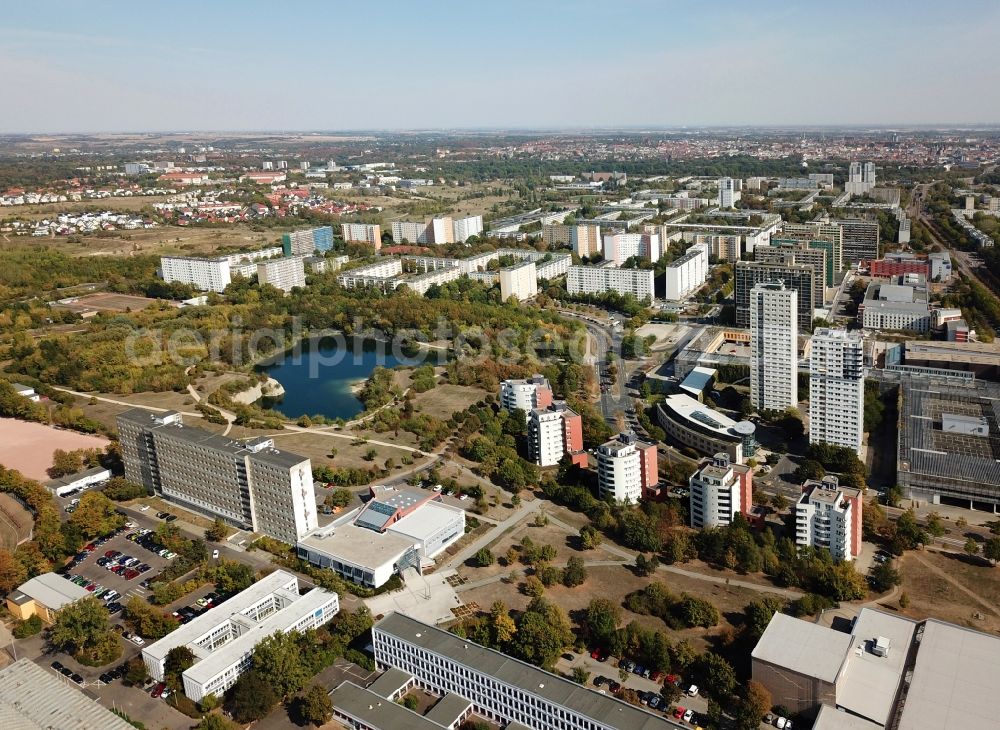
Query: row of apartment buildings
column 437, row 230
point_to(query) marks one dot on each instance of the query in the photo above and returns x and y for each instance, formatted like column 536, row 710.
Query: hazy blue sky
column 180, row 65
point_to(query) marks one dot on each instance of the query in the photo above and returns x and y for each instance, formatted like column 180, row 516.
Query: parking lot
column 126, row 581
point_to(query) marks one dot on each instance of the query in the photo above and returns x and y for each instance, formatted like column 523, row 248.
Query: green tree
column 315, row 706
column 251, row 697
column 590, row 537
column 95, row 515
column 646, row 566
column 971, row 547
column 533, row 586
column 759, row 613
column 214, row 721
column 278, row 660
column 218, row 532
column 339, row 498
column 82, row 629
column 580, row 675
column 12, row 572
column 543, row 631
column 717, row 675
column 147, row 621
column 575, row 572
column 179, row 660
column 603, row 618
column 991, row 549
column 135, row 672
column 485, row 558
column 502, row 624
column 694, row 611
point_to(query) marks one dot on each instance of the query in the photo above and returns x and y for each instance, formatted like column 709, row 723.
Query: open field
column 951, row 587
column 28, row 447
column 317, row 447
column 443, row 400
column 106, row 302
column 15, row 522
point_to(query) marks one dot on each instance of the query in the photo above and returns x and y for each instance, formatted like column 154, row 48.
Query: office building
column 223, row 638
column 374, row 708
column 887, row 671
column 896, row 264
column 729, row 192
column 836, row 388
column 307, row 242
column 362, row 233
column 43, row 596
column 940, row 266
column 599, row 279
column 801, row 278
column 774, row 334
column 905, row 228
column 626, row 469
column 34, row 698
column 553, row 433
column 284, row 274
column 828, row 516
column 508, row 692
column 691, row 423
column 519, row 280
column 896, row 306
column 251, row 484
column 719, row 490
column 620, row 247
column 466, row 228
column 798, row 252
column 860, row 178
column 395, row 531
column 861, row 239
column 686, row 275
column 526, row 395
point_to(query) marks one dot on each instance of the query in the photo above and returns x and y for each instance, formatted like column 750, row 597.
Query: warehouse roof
column 803, row 647
column 32, row 698
column 49, row 589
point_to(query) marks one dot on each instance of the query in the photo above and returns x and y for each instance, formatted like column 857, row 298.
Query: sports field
column 28, row 447
column 106, row 301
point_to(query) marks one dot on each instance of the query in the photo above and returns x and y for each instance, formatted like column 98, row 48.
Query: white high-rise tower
column 774, row 334
column 836, row 388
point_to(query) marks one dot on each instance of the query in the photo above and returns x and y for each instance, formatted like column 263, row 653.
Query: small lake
column 317, row 379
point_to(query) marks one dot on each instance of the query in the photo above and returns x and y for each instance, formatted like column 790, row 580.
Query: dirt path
column 951, row 581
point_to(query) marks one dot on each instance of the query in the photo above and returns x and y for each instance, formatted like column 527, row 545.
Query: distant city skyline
column 249, row 66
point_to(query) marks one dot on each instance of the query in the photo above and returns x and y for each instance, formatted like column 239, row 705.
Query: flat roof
column 698, row 379
column 830, row 718
column 448, row 709
column 803, row 647
column 80, row 475
column 280, row 621
column 868, row 683
column 955, row 680
column 603, row 709
column 700, row 417
column 425, row 521
column 32, row 698
column 390, row 681
column 201, row 625
column 378, row 712
column 51, row 590
column 358, row 546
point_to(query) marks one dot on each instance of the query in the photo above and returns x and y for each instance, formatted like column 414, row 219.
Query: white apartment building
column 203, row 274
column 721, row 246
column 283, row 274
column 836, row 388
column 599, row 279
column 526, row 395
column 519, row 280
column 509, row 692
column 620, row 247
column 774, row 332
column 719, row 490
column 466, row 228
column 686, row 275
column 442, row 230
column 829, row 516
column 362, row 233
column 546, row 439
column 223, row 638
column 729, row 192
column 860, row 178
column 251, row 484
column 411, row 232
column 625, row 468
column 940, row 263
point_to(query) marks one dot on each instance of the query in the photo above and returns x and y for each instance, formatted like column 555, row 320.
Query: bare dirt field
column 444, row 400
column 28, row 447
column 350, row 454
column 950, row 587
column 106, row 302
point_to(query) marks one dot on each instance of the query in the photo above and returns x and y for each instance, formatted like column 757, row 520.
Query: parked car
column 76, row 677
column 693, row 690
column 688, row 716
column 654, row 702
column 137, row 640
column 158, row 689
column 679, row 712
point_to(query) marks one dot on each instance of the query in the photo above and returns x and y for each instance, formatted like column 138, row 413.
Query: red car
column 656, row 676
column 600, row 655
column 158, row 690
column 679, row 713
column 91, row 547
column 673, row 679
column 130, row 574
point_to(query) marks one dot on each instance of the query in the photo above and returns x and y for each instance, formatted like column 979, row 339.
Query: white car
column 137, row 640
column 688, row 716
column 144, row 507
column 693, row 690
column 464, row 497
column 215, row 555
column 781, row 724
